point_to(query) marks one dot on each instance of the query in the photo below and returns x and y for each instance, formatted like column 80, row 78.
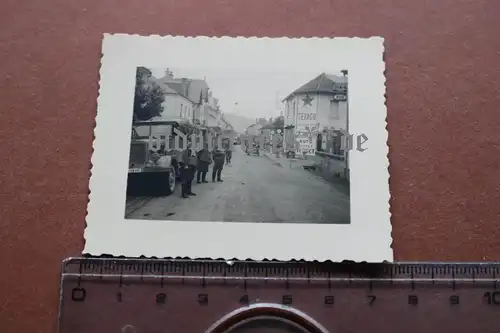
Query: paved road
column 255, row 189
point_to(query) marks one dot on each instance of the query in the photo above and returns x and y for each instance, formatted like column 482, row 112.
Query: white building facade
column 177, row 106
column 184, row 98
column 316, row 109
column 211, row 112
column 190, row 100
column 315, row 115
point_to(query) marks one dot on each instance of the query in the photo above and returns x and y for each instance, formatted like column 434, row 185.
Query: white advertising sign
column 306, row 144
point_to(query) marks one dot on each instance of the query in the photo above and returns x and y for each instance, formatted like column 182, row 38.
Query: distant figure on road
column 228, row 150
column 204, row 160
column 219, row 158
column 229, row 155
column 187, row 170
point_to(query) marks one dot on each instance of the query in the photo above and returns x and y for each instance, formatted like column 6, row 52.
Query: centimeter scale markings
column 150, row 295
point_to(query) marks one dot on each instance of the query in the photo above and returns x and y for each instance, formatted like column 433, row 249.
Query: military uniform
column 188, row 170
column 204, row 160
column 219, row 158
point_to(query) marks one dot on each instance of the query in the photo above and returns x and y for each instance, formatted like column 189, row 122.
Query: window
column 182, row 111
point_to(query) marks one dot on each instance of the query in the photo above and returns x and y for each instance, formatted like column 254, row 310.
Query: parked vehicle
column 252, row 149
column 237, row 141
column 153, row 165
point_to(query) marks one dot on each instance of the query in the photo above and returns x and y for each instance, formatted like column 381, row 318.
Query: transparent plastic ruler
column 182, row 296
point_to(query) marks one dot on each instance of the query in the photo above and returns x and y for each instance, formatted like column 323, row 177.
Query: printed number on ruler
column 490, row 298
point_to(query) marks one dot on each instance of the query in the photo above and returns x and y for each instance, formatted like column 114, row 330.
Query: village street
column 255, row 189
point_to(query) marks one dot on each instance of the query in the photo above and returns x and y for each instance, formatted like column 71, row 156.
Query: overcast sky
column 247, row 92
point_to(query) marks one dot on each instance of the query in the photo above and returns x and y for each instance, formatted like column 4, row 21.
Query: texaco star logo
column 307, row 100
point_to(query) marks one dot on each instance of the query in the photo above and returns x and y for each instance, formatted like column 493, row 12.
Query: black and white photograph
column 232, row 162
column 246, row 148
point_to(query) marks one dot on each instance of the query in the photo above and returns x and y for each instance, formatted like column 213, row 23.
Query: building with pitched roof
column 316, row 106
column 274, row 127
column 191, row 99
column 184, row 97
column 314, row 115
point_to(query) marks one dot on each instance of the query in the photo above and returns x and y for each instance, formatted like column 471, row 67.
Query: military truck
column 153, row 164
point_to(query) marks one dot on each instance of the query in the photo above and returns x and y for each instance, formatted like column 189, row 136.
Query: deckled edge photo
column 367, row 238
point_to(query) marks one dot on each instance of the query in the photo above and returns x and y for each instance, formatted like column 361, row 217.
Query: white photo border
column 366, row 238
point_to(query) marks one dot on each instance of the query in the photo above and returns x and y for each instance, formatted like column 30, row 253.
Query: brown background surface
column 443, row 75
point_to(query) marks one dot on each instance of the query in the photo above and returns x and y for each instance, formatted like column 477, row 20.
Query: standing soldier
column 219, row 159
column 204, row 160
column 188, row 169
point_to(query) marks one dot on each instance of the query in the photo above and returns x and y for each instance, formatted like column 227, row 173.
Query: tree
column 148, row 97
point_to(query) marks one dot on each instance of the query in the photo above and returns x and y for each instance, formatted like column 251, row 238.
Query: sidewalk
column 340, row 184
column 309, row 161
column 293, row 163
